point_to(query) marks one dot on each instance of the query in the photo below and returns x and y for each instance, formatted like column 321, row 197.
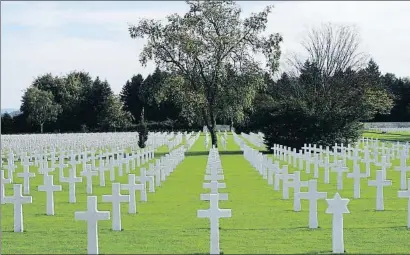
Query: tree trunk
column 41, row 127
column 212, row 130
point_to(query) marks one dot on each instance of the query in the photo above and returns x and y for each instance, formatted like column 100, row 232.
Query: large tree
column 157, row 108
column 324, row 101
column 210, row 53
column 6, row 124
column 39, row 106
column 114, row 116
column 98, row 99
column 303, row 113
column 377, row 99
column 332, row 48
column 130, row 96
column 69, row 92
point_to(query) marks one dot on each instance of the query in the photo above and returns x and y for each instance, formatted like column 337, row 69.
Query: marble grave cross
column 313, row 196
column 92, row 216
column 214, row 213
column 18, row 200
column 379, row 183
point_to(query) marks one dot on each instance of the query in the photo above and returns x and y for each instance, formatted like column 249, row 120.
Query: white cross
column 286, row 177
column 403, row 169
column 406, row 194
column 73, row 162
column 315, row 166
column 3, row 181
column 214, row 213
column 111, row 165
column 157, row 174
column 116, row 198
column 380, row 182
column 272, row 169
column 71, row 180
column 132, row 187
column 44, row 169
column 144, row 178
column 356, row 175
column 214, row 176
column 340, row 169
column 308, row 161
column 326, row 166
column 26, row 162
column 10, row 169
column 26, row 175
column 119, row 164
column 355, row 156
column 92, row 216
column 278, row 177
column 384, row 165
column 88, row 173
column 61, row 166
column 296, row 185
column 49, row 188
column 312, row 195
column 18, row 200
column 92, row 157
column 101, row 172
column 214, row 186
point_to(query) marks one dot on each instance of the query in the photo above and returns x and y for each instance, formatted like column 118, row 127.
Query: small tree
column 39, row 106
column 142, row 131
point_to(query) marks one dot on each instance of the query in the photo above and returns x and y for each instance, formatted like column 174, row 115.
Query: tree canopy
column 40, row 107
column 209, row 53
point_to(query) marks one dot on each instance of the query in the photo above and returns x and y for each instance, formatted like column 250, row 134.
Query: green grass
column 261, row 221
column 389, row 137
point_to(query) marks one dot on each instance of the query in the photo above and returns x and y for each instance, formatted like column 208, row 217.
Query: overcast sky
column 58, row 37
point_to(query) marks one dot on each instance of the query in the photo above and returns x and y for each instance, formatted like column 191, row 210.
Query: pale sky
column 58, row 37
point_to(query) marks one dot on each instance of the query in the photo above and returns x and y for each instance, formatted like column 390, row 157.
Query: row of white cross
column 254, row 139
column 89, row 170
column 223, row 139
column 171, row 159
column 67, row 144
column 269, row 170
column 112, row 160
column 214, row 173
column 92, row 215
column 336, row 206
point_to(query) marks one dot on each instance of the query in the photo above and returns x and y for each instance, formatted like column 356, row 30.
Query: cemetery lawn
column 261, row 221
column 388, row 137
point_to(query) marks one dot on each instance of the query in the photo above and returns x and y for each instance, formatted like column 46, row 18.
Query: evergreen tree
column 142, row 131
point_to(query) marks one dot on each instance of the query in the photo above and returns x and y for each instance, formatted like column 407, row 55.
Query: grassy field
column 389, row 137
column 262, row 222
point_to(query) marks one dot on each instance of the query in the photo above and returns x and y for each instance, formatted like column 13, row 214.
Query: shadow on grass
column 321, row 252
column 160, row 154
column 399, row 138
column 400, row 228
column 206, row 153
column 390, row 137
column 260, row 229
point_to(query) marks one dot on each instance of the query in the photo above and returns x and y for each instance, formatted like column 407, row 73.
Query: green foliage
column 311, row 110
column 209, row 53
column 377, row 100
column 6, row 124
column 142, row 131
column 39, row 106
column 399, row 91
column 113, row 116
column 292, row 124
column 130, row 96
